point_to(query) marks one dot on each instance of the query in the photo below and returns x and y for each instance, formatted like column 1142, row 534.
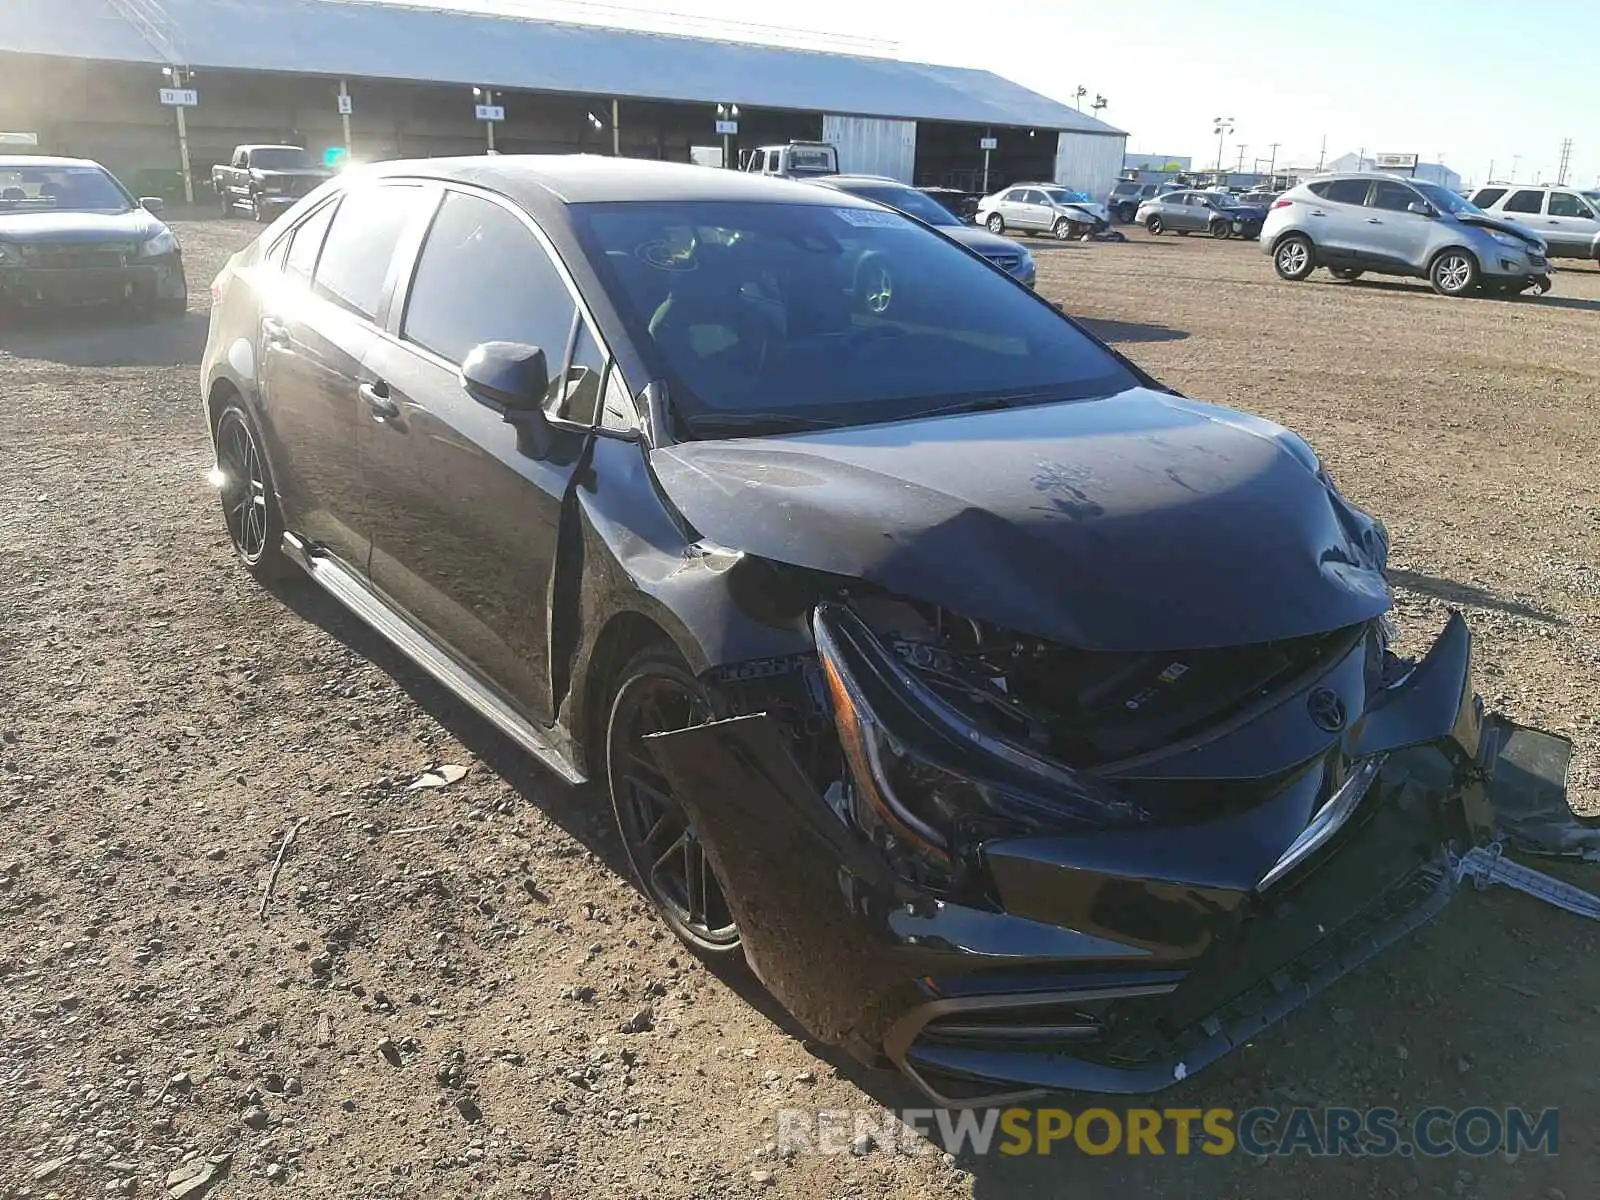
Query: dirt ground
column 435, row 1003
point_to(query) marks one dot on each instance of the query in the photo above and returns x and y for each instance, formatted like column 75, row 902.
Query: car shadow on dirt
column 1130, row 331
column 1469, row 595
column 91, row 338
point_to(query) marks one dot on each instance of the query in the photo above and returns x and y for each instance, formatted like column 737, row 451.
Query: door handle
column 379, row 401
column 1318, row 213
column 274, row 332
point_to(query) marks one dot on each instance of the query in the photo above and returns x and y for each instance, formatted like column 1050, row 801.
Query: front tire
column 658, row 693
column 1294, row 259
column 249, row 501
column 1453, row 273
column 1156, row 226
column 1062, row 230
column 1221, row 230
column 996, row 224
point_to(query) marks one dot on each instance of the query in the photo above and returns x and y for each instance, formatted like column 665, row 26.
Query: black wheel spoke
column 694, row 878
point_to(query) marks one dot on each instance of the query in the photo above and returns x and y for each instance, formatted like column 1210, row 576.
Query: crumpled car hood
column 1511, row 227
column 1142, row 521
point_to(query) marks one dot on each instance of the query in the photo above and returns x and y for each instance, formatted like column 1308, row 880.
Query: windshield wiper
column 762, row 422
column 981, row 404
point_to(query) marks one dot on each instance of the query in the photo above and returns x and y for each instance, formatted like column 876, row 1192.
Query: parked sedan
column 1201, row 212
column 71, row 234
column 1011, row 257
column 1016, row 718
column 1044, row 208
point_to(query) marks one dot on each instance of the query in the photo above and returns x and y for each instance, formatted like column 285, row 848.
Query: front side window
column 1565, row 204
column 1487, row 196
column 1525, row 201
column 806, row 314
column 484, row 277
column 1395, row 197
column 354, row 265
column 280, row 158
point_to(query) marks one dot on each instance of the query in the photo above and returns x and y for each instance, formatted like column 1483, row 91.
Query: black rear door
column 317, row 325
column 468, row 512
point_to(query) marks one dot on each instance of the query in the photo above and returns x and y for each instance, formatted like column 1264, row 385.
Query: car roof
column 535, row 179
column 1380, row 175
column 10, row 162
column 267, row 146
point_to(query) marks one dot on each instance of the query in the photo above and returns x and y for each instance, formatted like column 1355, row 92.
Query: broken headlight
column 926, row 784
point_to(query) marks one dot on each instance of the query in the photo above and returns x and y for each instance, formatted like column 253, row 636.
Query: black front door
column 467, row 507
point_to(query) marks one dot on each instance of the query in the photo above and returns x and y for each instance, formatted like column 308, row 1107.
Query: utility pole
column 1242, row 149
column 1516, row 161
column 179, row 77
column 1566, row 161
column 616, row 129
column 1323, row 157
column 1490, row 177
column 1272, row 166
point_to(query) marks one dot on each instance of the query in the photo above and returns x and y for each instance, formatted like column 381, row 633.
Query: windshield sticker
column 869, row 218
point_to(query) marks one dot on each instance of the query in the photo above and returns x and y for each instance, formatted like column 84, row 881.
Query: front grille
column 1006, row 262
column 80, row 258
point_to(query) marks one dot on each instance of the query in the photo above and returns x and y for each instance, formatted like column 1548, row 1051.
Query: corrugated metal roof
column 89, row 29
column 323, row 37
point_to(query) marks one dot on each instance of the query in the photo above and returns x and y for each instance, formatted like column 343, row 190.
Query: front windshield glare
column 1066, row 196
column 822, row 314
column 61, row 189
column 1445, row 200
column 909, row 200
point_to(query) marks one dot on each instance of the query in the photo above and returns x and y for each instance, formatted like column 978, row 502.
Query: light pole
column 1222, row 127
column 485, row 99
column 1099, row 103
column 179, row 78
column 1077, row 97
column 727, row 126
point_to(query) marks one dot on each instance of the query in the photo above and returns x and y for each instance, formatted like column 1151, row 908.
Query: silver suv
column 1356, row 223
column 1568, row 219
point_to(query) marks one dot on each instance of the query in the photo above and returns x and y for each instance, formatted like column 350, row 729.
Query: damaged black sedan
column 1022, row 722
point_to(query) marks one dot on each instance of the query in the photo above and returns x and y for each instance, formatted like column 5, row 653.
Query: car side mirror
column 1420, row 209
column 152, row 204
column 511, row 378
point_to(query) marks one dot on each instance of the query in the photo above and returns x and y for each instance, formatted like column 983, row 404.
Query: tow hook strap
column 1485, row 865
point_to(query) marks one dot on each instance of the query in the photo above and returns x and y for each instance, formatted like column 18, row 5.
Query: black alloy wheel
column 249, row 504
column 1156, row 226
column 659, row 694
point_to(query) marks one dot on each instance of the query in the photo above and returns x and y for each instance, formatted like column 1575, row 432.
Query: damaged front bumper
column 144, row 282
column 1118, row 957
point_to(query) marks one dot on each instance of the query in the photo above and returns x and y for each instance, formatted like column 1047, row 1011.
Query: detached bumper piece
column 1119, row 956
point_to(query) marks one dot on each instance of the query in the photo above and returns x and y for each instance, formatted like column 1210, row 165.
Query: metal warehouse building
column 84, row 76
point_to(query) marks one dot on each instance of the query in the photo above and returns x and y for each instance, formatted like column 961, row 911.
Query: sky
column 1465, row 82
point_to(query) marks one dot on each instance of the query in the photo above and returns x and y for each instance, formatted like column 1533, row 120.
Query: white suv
column 1567, row 218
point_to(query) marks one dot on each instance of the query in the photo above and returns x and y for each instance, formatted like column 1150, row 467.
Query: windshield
column 280, row 158
column 61, row 189
column 796, row 315
column 1594, row 200
column 1445, row 200
column 1066, row 196
column 907, row 200
column 817, row 160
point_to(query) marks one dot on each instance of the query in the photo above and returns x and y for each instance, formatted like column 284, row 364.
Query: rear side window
column 484, row 277
column 1395, row 197
column 355, row 259
column 1487, row 196
column 1526, row 201
column 306, row 242
column 1565, row 204
column 1342, row 191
